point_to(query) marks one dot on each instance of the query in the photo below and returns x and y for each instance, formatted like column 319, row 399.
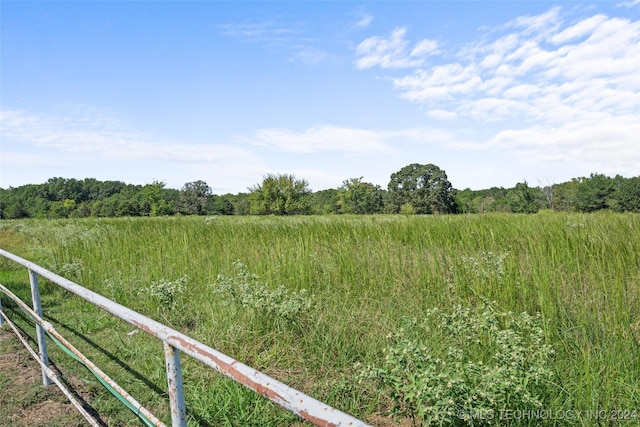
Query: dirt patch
column 24, row 401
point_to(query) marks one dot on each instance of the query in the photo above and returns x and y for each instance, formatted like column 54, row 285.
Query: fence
column 175, row 342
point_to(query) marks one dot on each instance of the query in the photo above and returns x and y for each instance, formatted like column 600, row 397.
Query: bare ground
column 24, row 401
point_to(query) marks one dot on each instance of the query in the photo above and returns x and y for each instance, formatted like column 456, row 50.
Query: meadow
column 441, row 320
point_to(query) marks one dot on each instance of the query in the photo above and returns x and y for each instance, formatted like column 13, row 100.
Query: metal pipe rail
column 132, row 403
column 175, row 342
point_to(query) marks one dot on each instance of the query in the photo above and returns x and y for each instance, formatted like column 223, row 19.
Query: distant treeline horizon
column 415, row 189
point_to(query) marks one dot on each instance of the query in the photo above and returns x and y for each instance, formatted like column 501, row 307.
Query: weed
column 488, row 361
column 166, row 291
column 246, row 291
column 71, row 270
column 486, row 265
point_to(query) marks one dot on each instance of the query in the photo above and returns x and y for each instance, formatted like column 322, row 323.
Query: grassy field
column 433, row 318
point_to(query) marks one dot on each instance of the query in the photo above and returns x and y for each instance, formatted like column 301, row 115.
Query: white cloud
column 606, row 147
column 394, row 51
column 258, row 31
column 364, row 21
column 291, row 39
column 552, row 87
column 442, row 114
column 363, row 142
column 105, row 137
column 424, row 47
column 538, row 24
column 578, row 30
column 606, row 58
column 440, row 82
column 631, row 3
column 82, row 142
column 310, row 55
column 321, row 138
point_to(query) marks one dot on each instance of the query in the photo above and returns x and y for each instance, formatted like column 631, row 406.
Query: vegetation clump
column 487, row 265
column 244, row 290
column 166, row 291
column 486, row 360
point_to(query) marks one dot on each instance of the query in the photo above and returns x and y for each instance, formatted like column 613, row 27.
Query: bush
column 166, row 290
column 488, row 361
column 244, row 290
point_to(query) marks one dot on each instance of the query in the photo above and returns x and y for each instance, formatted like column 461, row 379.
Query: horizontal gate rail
column 175, row 342
column 132, row 403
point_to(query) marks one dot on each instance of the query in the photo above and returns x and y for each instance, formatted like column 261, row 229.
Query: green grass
column 366, row 274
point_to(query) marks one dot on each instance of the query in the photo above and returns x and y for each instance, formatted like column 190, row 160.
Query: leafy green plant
column 246, row 291
column 487, row 265
column 488, row 361
column 167, row 290
column 407, row 209
column 72, row 270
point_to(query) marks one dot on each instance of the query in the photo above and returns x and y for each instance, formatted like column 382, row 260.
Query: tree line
column 414, row 189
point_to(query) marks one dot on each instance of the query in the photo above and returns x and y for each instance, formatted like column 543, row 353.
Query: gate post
column 176, row 391
column 42, row 344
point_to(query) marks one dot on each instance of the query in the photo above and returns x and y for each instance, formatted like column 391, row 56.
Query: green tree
column 523, row 199
column 465, row 201
column 425, row 187
column 358, row 197
column 194, row 197
column 240, row 202
column 83, row 210
column 564, row 195
column 325, row 202
column 128, row 207
column 280, row 195
column 14, row 209
column 628, row 194
column 154, row 199
column 109, row 207
column 219, row 205
column 593, row 193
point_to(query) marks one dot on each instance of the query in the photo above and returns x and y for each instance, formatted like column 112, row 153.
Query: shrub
column 246, row 291
column 166, row 291
column 487, row 361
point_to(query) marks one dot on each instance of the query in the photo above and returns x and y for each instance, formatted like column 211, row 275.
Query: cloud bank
column 554, row 87
column 92, row 142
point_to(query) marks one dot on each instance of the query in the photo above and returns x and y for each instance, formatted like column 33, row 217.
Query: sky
column 492, row 92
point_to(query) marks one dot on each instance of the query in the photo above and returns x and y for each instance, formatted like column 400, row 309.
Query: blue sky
column 493, row 92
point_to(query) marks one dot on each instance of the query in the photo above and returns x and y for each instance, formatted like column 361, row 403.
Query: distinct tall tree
column 423, row 187
column 547, row 190
column 358, row 197
column 194, row 197
column 280, row 195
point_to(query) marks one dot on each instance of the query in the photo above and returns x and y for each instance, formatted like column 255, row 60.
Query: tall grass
column 366, row 274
